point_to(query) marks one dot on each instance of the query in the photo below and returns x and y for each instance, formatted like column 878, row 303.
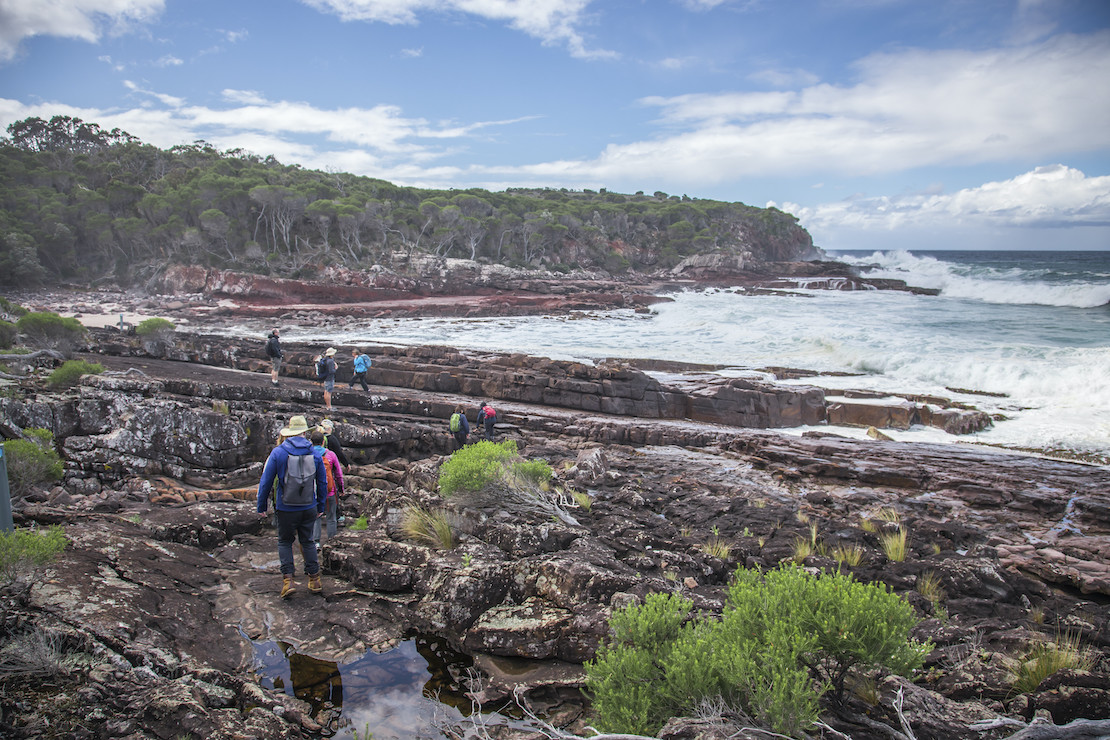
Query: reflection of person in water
column 316, row 681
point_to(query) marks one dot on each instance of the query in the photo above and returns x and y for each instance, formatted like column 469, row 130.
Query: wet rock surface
column 170, row 573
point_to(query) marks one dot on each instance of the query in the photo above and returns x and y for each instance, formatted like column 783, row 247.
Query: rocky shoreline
column 170, row 575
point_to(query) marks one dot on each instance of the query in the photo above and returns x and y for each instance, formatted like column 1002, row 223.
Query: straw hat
column 297, row 425
column 326, row 426
column 330, row 351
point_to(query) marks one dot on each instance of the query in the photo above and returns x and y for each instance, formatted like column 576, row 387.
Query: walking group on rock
column 458, row 426
column 325, row 366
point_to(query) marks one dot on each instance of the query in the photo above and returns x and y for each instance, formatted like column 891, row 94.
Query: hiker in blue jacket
column 294, row 520
column 362, row 364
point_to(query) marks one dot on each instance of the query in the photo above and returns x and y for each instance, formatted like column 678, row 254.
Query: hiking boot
column 288, row 587
column 314, row 584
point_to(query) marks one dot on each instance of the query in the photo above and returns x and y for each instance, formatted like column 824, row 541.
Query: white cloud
column 412, row 53
column 378, row 141
column 167, row 100
column 910, row 109
column 80, row 19
column 1049, row 196
column 169, row 61
column 554, row 22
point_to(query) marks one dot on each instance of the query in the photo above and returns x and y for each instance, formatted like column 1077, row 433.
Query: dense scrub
column 78, row 202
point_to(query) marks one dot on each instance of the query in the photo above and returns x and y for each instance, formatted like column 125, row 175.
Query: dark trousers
column 460, row 439
column 361, row 378
column 298, row 525
column 488, row 422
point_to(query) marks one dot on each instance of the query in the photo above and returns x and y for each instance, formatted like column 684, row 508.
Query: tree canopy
column 81, row 203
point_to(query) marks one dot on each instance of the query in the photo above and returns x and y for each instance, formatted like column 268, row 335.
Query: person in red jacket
column 487, row 416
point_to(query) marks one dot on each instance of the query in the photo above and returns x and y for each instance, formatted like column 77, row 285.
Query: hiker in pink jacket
column 334, row 473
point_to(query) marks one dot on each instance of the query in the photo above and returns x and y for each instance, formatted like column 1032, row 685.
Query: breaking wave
column 1027, row 282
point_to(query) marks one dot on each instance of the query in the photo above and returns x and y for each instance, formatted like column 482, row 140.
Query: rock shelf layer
column 169, row 567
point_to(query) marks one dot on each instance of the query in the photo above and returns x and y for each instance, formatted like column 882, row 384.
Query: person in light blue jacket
column 362, row 365
column 295, row 520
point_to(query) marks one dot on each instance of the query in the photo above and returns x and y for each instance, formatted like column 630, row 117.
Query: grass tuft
column 428, row 527
column 716, row 548
column 850, row 555
column 928, row 585
column 894, row 544
column 1047, row 658
column 802, row 549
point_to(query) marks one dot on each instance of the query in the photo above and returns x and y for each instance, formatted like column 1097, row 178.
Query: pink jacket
column 337, row 470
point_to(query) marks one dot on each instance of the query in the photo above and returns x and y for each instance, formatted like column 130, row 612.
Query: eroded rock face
column 169, row 567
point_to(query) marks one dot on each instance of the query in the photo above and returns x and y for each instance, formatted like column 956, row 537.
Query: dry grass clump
column 850, row 555
column 928, row 585
column 894, row 544
column 432, row 528
column 717, row 548
column 1047, row 658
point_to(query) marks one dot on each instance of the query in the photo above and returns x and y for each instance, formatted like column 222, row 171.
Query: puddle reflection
column 391, row 694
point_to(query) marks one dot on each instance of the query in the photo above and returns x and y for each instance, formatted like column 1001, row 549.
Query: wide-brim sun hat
column 297, row 425
column 326, row 426
column 330, row 351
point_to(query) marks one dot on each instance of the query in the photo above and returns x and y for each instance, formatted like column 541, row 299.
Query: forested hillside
column 81, row 204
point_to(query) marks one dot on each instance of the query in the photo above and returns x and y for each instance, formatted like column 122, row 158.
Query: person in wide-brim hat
column 297, row 425
column 330, row 352
column 298, row 491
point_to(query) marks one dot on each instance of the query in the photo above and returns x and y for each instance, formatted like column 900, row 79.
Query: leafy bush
column 156, row 326
column 11, row 309
column 360, row 524
column 48, row 330
column 26, row 547
column 71, row 371
column 8, row 334
column 782, row 641
column 32, row 461
column 475, row 466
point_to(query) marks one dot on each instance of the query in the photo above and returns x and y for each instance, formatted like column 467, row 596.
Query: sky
column 881, row 124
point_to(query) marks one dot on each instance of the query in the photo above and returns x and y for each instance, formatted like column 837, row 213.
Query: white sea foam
column 1050, row 365
column 988, row 284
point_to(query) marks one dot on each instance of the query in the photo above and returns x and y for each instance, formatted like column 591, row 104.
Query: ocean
column 1021, row 335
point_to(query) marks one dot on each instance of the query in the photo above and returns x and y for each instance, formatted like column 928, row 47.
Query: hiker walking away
column 362, row 365
column 333, row 471
column 296, row 473
column 325, row 373
column 273, row 351
column 458, row 426
column 331, row 441
column 487, row 416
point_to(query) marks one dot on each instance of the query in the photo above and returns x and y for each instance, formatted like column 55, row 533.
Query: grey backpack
column 299, row 487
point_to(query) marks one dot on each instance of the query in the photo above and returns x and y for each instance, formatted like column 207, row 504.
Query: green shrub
column 154, row 326
column 71, row 371
column 782, row 641
column 360, row 524
column 26, row 547
column 475, row 466
column 46, row 329
column 8, row 334
column 536, row 472
column 32, row 461
column 11, row 309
